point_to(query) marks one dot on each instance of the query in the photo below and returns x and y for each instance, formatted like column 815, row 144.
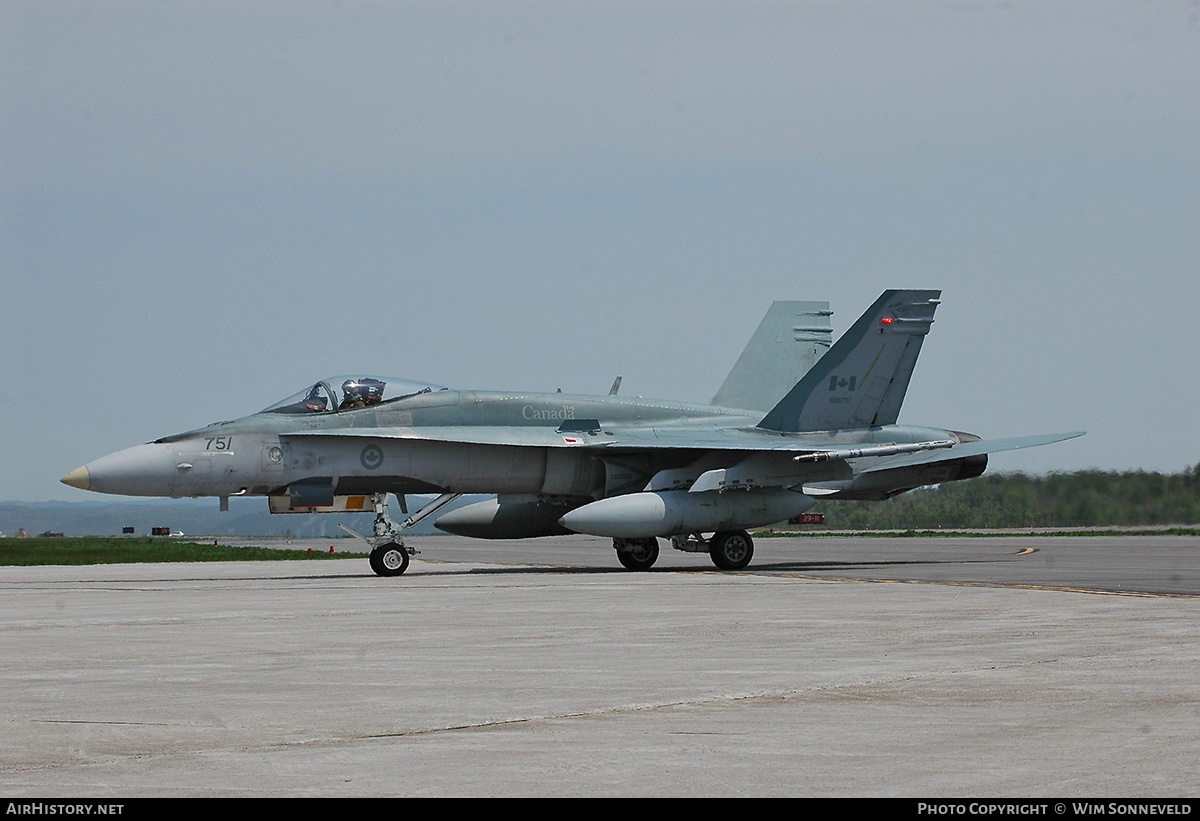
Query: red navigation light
column 887, row 320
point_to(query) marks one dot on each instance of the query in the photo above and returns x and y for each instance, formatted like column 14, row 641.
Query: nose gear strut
column 389, row 554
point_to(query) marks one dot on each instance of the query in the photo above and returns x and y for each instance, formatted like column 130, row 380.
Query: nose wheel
column 389, row 559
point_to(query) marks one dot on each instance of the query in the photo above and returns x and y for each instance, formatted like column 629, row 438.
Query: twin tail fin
column 861, row 381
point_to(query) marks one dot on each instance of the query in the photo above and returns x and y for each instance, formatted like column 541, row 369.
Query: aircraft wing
column 685, row 437
column 513, row 436
column 977, row 448
column 811, row 464
column 666, row 437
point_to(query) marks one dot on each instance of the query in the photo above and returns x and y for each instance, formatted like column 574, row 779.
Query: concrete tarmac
column 905, row 667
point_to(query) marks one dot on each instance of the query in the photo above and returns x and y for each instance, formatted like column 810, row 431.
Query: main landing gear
column 731, row 549
column 728, row 549
column 637, row 554
column 389, row 554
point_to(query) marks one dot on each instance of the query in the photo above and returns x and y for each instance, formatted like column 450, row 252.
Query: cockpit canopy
column 340, row 393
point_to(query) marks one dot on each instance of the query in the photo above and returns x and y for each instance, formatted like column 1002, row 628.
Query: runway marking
column 997, row 585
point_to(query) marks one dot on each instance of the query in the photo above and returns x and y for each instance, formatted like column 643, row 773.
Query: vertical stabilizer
column 862, row 380
column 789, row 341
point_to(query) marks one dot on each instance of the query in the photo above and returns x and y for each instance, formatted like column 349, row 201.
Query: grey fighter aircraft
column 795, row 421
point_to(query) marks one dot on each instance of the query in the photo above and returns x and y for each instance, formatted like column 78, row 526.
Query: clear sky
column 208, row 205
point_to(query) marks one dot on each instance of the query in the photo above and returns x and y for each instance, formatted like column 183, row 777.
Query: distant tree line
column 1089, row 498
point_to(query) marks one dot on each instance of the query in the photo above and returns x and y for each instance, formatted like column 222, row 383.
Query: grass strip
column 140, row 550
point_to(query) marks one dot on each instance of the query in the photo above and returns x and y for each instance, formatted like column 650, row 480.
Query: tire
column 389, row 559
column 731, row 550
column 637, row 554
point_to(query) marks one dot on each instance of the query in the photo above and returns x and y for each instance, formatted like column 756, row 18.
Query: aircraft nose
column 79, row 478
column 142, row 470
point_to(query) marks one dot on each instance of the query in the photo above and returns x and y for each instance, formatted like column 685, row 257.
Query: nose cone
column 143, row 470
column 79, row 478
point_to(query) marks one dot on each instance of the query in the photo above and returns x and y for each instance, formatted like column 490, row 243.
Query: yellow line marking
column 874, row 361
column 998, row 585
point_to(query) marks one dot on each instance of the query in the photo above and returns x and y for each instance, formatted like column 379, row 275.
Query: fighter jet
column 795, row 421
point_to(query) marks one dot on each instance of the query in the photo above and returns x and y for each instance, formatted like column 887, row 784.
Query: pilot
column 359, row 393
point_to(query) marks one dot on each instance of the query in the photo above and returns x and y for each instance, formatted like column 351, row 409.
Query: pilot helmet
column 367, row 389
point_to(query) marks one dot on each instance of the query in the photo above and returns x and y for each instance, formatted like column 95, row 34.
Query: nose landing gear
column 389, row 554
